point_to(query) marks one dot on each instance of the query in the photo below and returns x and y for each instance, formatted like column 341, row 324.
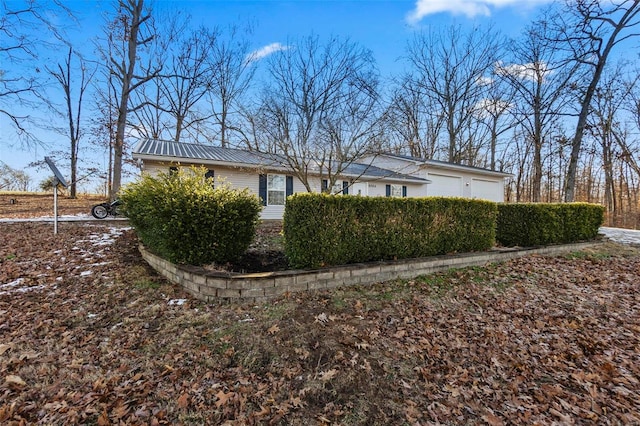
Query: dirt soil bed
column 90, row 335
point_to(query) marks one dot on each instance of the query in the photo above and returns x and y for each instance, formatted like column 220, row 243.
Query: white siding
column 444, row 185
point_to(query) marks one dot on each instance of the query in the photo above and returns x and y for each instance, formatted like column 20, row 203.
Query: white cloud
column 469, row 8
column 529, row 71
column 491, row 107
column 265, row 51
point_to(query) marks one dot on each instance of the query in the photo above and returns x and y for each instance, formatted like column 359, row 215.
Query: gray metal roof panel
column 190, row 151
column 443, row 163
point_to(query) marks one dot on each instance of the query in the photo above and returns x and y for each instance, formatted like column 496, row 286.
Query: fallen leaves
column 536, row 340
column 13, row 380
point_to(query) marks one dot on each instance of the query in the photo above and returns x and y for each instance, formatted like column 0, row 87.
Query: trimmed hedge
column 181, row 217
column 536, row 224
column 323, row 230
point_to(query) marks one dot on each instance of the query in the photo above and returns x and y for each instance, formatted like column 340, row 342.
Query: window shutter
column 324, row 185
column 404, row 190
column 289, row 186
column 210, row 174
column 345, row 187
column 262, row 189
column 388, row 189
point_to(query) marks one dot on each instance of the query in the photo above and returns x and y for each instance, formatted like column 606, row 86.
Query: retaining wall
column 259, row 287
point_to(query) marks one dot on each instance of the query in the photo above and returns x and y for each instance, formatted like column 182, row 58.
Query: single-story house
column 267, row 176
column 446, row 179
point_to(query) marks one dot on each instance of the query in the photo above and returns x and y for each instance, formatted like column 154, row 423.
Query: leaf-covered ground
column 90, row 335
column 29, row 204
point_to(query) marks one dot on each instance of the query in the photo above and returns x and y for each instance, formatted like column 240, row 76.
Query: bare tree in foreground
column 134, row 32
column 591, row 30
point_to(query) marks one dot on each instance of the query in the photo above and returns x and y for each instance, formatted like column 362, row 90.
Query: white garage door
column 486, row 190
column 444, row 185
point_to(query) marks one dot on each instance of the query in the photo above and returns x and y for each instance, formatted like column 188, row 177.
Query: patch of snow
column 12, row 287
column 99, row 264
column 91, row 315
column 620, row 235
column 177, row 302
column 86, row 273
column 12, row 283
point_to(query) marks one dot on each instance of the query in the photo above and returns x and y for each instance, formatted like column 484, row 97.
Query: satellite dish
column 56, row 172
column 58, row 180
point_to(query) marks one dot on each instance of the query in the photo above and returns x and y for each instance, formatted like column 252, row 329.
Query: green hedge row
column 181, row 217
column 322, row 230
column 533, row 224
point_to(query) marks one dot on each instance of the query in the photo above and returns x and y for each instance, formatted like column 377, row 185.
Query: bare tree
column 630, row 145
column 605, row 124
column 168, row 104
column 188, row 80
column 450, row 67
column 25, row 27
column 540, row 79
column 232, row 69
column 73, row 107
column 319, row 106
column 590, row 30
column 12, row 179
column 128, row 33
column 412, row 122
column 495, row 113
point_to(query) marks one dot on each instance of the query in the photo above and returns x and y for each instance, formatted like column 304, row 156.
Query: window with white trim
column 276, row 190
column 396, row 191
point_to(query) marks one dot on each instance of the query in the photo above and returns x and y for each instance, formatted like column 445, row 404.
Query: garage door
column 486, row 190
column 444, row 185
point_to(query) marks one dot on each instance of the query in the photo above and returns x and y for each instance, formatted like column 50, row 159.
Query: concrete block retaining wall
column 259, row 287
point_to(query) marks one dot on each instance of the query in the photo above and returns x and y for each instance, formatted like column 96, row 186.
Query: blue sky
column 384, row 26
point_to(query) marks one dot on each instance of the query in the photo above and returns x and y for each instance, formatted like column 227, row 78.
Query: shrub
column 534, row 224
column 184, row 219
column 322, row 230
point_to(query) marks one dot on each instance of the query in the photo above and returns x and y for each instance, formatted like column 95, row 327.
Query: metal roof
column 160, row 150
column 444, row 164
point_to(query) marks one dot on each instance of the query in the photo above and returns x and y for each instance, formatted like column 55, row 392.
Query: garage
column 485, row 189
column 444, row 185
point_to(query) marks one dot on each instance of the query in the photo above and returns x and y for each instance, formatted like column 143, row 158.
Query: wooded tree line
column 558, row 106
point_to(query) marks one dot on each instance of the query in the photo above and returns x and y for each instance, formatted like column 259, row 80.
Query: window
column 337, row 188
column 396, row 191
column 276, row 187
column 273, row 190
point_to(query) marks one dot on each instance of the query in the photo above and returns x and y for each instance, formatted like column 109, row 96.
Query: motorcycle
column 102, row 210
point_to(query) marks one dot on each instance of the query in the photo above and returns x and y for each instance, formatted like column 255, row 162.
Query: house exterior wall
column 240, row 178
column 452, row 181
